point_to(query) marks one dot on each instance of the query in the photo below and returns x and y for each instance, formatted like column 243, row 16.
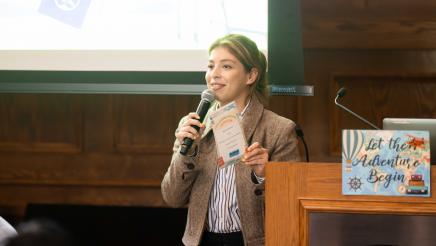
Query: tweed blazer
column 189, row 179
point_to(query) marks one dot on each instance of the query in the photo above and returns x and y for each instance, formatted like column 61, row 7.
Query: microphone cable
column 300, row 134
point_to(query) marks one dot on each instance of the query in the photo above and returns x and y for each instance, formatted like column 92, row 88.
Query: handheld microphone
column 207, row 97
column 341, row 92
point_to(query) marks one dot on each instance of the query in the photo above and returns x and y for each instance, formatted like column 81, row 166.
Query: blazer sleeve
column 286, row 146
column 180, row 176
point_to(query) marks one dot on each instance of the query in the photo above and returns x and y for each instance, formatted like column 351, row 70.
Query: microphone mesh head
column 208, row 95
column 342, row 92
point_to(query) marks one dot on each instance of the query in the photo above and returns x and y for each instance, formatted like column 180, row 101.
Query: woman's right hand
column 186, row 130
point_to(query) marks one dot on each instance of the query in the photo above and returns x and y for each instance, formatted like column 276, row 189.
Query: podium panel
column 298, row 194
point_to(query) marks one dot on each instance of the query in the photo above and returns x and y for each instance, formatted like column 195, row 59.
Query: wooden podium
column 295, row 190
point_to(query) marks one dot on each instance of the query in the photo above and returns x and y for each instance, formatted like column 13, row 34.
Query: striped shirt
column 223, row 213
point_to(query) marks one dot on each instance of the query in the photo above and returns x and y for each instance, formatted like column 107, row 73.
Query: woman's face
column 227, row 77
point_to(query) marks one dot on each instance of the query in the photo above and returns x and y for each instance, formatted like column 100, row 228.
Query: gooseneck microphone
column 341, row 92
column 207, row 97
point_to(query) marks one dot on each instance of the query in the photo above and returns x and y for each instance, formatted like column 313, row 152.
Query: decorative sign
column 392, row 163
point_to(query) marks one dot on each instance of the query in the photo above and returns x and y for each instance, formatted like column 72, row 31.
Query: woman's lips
column 216, row 86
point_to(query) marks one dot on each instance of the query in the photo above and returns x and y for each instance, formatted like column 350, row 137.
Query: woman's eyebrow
column 223, row 60
column 227, row 60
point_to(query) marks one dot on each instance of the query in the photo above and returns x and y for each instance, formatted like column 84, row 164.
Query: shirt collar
column 241, row 115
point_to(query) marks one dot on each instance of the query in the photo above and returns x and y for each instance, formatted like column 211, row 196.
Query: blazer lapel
column 252, row 117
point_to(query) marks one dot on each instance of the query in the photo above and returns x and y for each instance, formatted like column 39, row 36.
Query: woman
column 226, row 206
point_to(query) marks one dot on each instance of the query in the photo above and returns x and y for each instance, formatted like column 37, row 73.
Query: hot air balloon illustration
column 352, row 142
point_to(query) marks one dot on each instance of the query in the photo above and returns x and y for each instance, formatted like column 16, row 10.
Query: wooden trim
column 143, row 149
column 150, row 183
column 308, row 206
column 63, row 148
column 368, row 207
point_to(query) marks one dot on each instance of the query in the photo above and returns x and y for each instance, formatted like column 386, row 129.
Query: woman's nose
column 215, row 73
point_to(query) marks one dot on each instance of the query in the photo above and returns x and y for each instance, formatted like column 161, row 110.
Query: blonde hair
column 246, row 51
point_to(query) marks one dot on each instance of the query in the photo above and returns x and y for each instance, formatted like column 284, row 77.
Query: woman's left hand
column 256, row 157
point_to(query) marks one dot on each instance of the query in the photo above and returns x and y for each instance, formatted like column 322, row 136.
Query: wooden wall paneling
column 38, row 176
column 366, row 24
column 375, row 98
column 40, row 123
column 313, row 113
column 102, row 169
column 146, row 124
column 101, row 162
column 285, row 106
column 127, row 165
column 317, row 114
column 418, row 9
column 98, row 111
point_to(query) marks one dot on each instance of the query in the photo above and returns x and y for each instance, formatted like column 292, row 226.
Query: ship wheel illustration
column 355, row 183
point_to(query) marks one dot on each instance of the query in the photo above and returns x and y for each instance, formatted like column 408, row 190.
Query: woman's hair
column 246, row 51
